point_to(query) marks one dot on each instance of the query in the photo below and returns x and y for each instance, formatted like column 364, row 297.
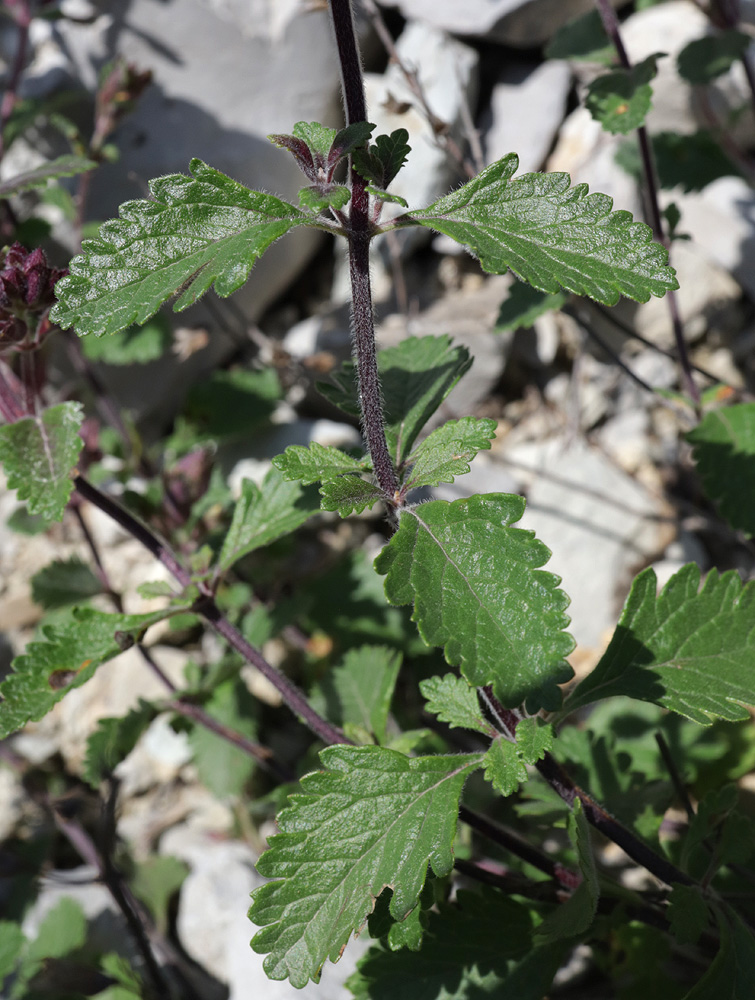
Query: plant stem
column 122, row 895
column 209, row 610
column 611, row 27
column 23, row 21
column 506, row 722
column 359, row 236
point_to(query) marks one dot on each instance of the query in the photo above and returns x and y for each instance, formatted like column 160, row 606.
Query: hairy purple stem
column 611, row 26
column 10, row 95
column 359, row 236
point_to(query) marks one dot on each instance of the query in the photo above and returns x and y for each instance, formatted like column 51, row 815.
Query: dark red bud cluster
column 27, row 293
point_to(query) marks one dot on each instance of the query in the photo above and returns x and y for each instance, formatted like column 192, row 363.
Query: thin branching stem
column 611, row 26
column 206, row 606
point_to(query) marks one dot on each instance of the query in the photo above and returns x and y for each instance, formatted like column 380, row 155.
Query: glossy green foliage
column 342, row 489
column 691, row 650
column 724, row 450
column 39, row 456
column 263, row 514
column 447, row 451
column 65, row 657
column 198, row 232
column 372, row 818
column 621, row 99
column 478, row 590
column 415, row 377
column 551, row 234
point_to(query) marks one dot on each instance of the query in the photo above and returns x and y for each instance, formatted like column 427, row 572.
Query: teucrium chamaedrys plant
column 371, row 834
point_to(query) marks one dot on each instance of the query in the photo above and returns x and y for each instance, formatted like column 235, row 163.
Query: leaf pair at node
column 318, row 151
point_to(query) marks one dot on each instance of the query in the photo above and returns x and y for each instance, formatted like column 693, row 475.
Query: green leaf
column 135, row 346
column 575, row 916
column 199, row 231
column 381, row 161
column 505, row 761
column 63, row 930
column 64, row 582
column 455, row 702
column 533, row 740
column 11, row 943
column 348, row 494
column 706, row 58
column 687, row 161
column 317, row 463
column 687, row 913
column 65, row 658
column 155, row 881
column 504, row 768
column 551, row 235
column 230, row 404
column 113, row 741
column 63, row 166
column 319, row 198
column 691, row 652
column 360, row 688
column 448, row 450
column 732, row 972
column 416, row 376
column 724, row 450
column 621, row 99
column 40, row 454
column 582, row 39
column 480, row 945
column 263, row 514
column 373, row 818
column 223, row 767
column 478, row 591
column 319, row 138
column 396, row 199
column 524, row 305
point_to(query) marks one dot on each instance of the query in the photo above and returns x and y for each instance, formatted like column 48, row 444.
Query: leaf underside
column 691, row 650
column 373, row 818
column 478, row 591
column 550, row 234
column 199, row 231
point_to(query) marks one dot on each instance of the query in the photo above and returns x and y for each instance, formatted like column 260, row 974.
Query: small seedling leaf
column 447, row 451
